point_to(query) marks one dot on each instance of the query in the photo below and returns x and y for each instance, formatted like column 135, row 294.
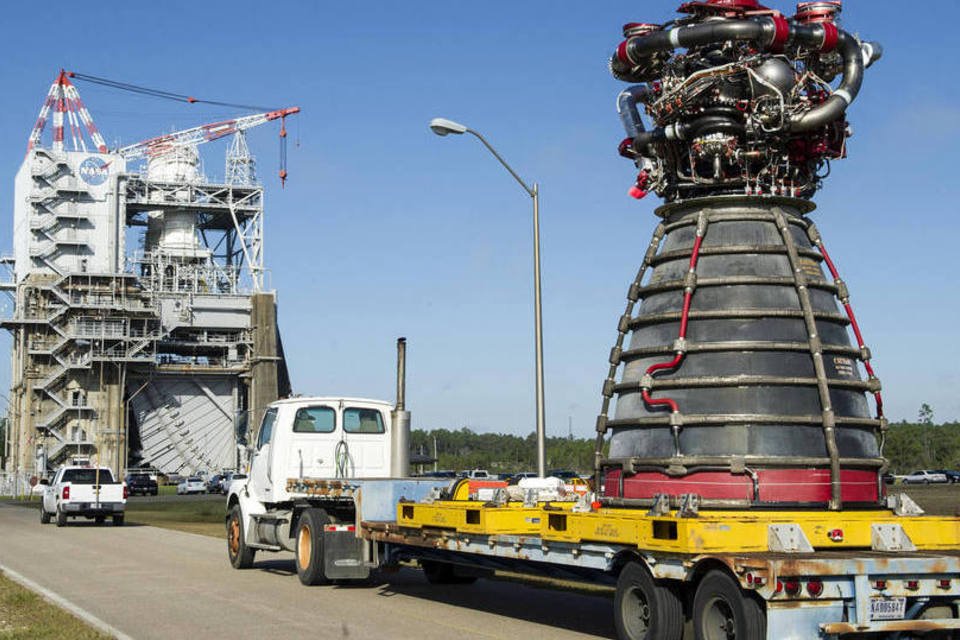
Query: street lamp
column 443, row 127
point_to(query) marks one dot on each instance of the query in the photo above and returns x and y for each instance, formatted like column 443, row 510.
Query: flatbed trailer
column 753, row 574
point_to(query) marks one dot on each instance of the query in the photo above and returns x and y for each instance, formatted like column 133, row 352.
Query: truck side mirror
column 44, row 481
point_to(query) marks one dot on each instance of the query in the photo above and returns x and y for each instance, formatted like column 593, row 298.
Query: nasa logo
column 93, row 171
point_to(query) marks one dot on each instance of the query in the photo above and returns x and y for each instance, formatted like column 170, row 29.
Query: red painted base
column 777, row 487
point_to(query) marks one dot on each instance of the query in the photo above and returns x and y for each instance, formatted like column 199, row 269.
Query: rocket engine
column 740, row 386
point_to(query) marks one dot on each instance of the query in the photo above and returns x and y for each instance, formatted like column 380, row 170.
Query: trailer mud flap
column 343, row 553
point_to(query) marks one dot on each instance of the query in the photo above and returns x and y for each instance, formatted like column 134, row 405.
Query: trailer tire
column 241, row 556
column 44, row 516
column 722, row 611
column 309, row 547
column 444, row 573
column 644, row 609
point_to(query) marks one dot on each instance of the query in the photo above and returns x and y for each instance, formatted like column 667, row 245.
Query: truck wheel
column 44, row 516
column 310, row 546
column 241, row 556
column 444, row 573
column 118, row 521
column 722, row 611
column 100, row 519
column 61, row 518
column 644, row 609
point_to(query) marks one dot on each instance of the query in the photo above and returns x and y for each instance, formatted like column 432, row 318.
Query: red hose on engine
column 684, row 321
column 845, row 301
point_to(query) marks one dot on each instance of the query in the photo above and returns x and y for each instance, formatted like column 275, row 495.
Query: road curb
column 63, row 603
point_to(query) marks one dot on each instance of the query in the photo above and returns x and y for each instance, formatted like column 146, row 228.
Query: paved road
column 154, row 583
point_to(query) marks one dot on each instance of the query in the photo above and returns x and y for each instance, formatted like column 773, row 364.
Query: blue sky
column 386, row 230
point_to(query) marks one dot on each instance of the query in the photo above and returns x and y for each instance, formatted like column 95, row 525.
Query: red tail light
column 913, row 585
column 791, row 586
column 66, row 493
column 126, row 492
column 815, row 588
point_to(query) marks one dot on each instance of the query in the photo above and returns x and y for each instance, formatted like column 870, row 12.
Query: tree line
column 499, row 452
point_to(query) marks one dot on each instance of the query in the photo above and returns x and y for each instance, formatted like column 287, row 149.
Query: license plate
column 888, row 608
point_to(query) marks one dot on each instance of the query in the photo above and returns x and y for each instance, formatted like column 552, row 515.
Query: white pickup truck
column 88, row 492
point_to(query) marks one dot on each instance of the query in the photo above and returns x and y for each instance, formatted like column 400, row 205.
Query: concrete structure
column 141, row 331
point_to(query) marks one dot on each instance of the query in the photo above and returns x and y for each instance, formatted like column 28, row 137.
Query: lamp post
column 443, row 127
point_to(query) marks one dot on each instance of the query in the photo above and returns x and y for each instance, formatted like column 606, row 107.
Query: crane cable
column 181, row 97
column 160, row 93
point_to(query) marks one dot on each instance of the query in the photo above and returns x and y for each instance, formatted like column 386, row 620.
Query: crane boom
column 203, row 133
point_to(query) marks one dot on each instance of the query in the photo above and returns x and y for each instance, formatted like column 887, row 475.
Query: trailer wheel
column 241, row 556
column 933, row 611
column 722, row 611
column 61, row 517
column 644, row 609
column 444, row 573
column 44, row 516
column 310, row 547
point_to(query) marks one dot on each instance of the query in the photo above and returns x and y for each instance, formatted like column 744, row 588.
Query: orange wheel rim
column 304, row 547
column 234, row 536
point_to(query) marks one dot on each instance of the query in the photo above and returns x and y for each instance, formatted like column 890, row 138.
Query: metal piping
column 400, row 422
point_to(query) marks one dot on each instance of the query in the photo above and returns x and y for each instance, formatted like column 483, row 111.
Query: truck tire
column 61, row 517
column 44, row 516
column 241, row 556
column 722, row 611
column 309, row 548
column 644, row 609
column 444, row 573
column 118, row 521
column 100, row 519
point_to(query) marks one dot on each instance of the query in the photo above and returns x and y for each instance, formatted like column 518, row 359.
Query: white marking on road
column 63, row 603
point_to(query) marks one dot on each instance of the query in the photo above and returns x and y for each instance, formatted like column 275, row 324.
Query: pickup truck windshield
column 86, row 476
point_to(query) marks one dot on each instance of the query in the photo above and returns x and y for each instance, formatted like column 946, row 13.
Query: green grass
column 194, row 516
column 26, row 616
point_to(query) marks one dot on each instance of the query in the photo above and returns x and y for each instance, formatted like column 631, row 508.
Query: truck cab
column 319, row 438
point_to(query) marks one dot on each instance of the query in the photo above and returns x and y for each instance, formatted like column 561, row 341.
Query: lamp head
column 442, row 127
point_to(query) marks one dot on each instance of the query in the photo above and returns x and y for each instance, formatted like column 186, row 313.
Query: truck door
column 313, row 443
column 261, row 484
column 366, row 443
column 50, row 493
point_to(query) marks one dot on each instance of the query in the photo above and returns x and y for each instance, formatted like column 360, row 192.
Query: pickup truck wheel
column 644, row 609
column 61, row 518
column 118, row 521
column 722, row 611
column 100, row 519
column 310, row 547
column 444, row 573
column 241, row 556
column 44, row 516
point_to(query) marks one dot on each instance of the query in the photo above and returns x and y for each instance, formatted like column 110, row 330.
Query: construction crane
column 68, row 109
column 209, row 132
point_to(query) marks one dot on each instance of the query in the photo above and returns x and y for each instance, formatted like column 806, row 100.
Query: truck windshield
column 266, row 427
column 357, row 420
column 315, row 420
column 86, row 476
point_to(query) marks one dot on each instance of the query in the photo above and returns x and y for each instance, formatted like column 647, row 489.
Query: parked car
column 952, row 476
column 193, row 484
column 141, row 483
column 227, row 479
column 924, row 476
column 214, row 484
